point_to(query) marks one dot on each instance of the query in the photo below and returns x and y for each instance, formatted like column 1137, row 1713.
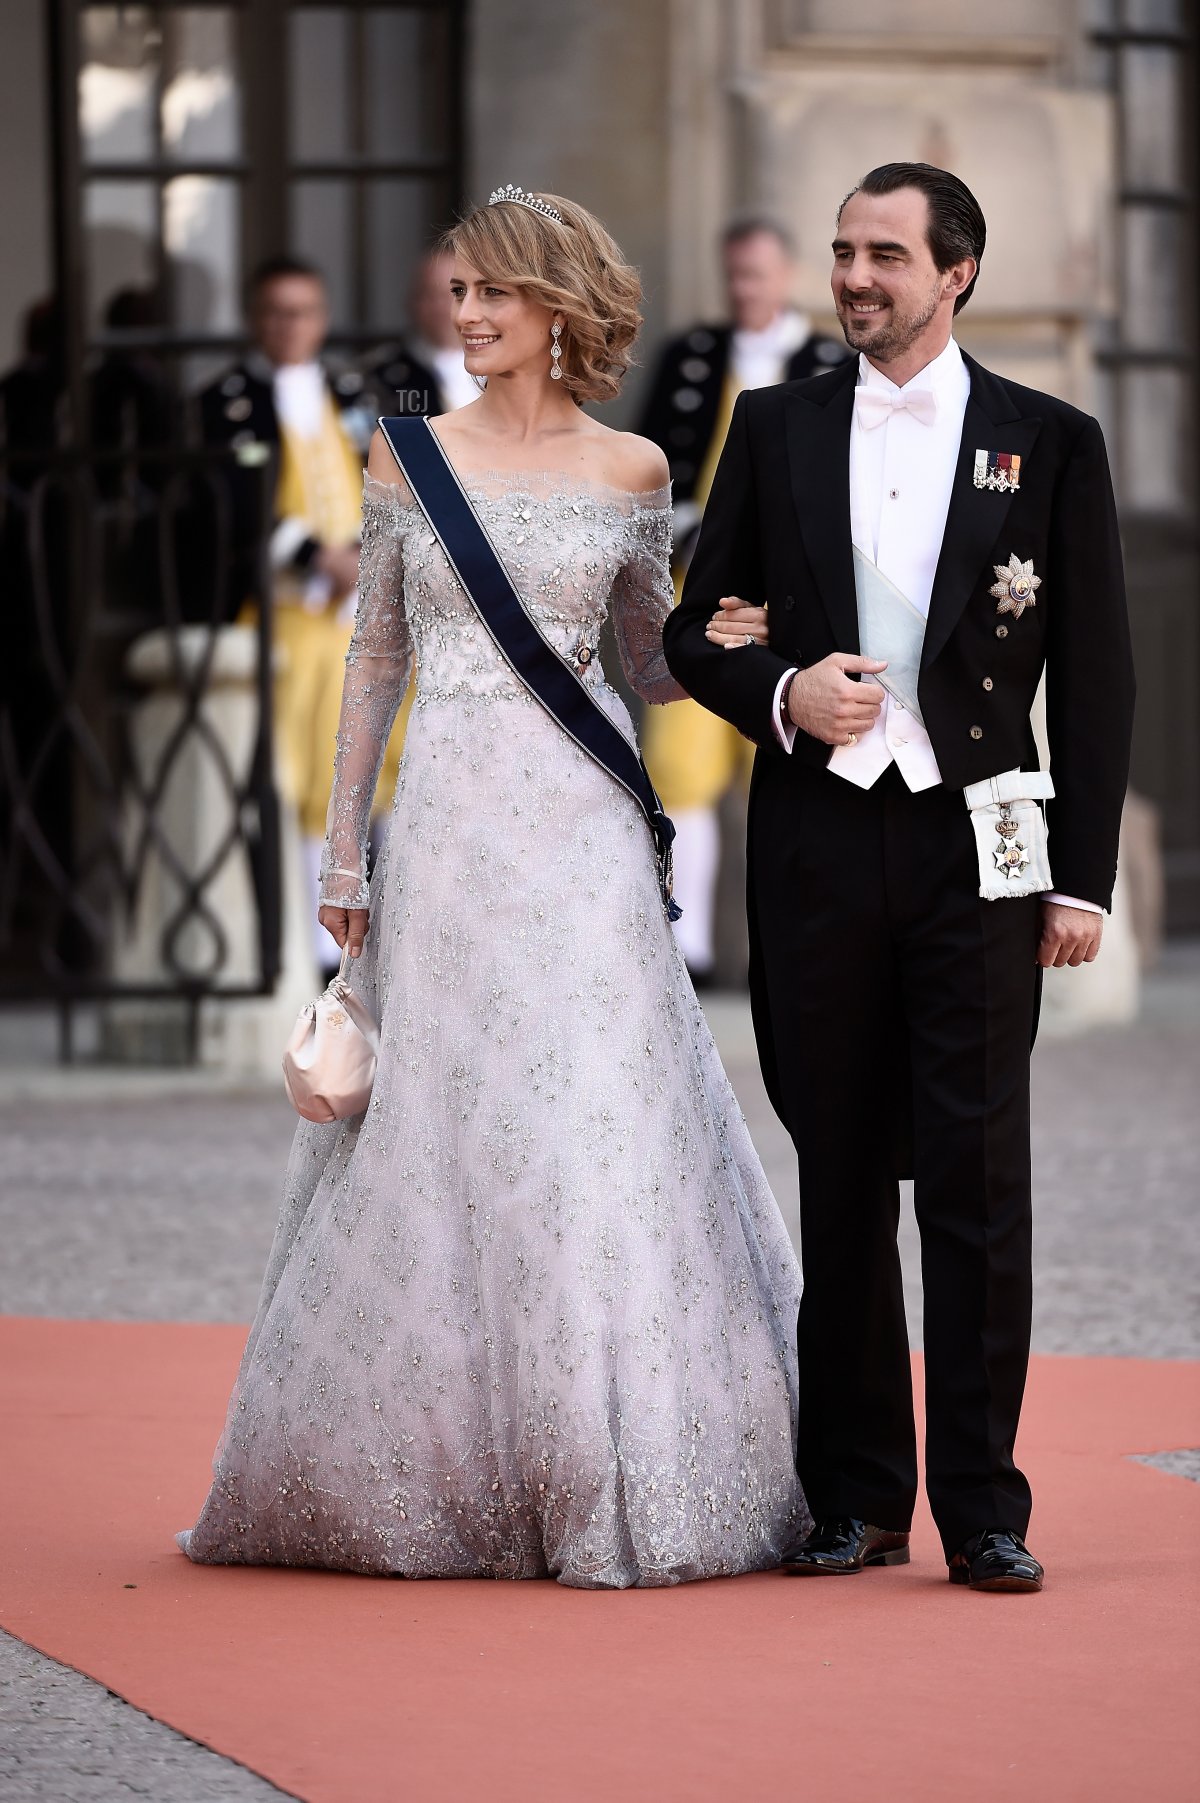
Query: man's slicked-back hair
column 749, row 225
column 274, row 269
column 956, row 224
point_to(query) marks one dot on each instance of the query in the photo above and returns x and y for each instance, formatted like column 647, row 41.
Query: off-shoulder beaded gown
column 534, row 1311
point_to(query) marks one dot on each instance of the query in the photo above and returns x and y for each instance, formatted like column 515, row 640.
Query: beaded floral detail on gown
column 534, row 1311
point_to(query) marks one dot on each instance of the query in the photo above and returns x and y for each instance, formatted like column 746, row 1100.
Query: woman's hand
column 737, row 624
column 346, row 924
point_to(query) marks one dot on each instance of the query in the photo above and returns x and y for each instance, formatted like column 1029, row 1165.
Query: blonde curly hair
column 574, row 268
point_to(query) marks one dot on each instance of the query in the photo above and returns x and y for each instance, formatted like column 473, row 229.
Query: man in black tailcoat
column 896, row 936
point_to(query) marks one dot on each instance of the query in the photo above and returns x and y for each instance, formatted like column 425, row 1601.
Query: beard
column 897, row 335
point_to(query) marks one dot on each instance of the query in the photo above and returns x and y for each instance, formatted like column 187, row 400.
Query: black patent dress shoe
column 996, row 1560
column 837, row 1548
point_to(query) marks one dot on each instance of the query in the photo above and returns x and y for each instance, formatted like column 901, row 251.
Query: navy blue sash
column 533, row 659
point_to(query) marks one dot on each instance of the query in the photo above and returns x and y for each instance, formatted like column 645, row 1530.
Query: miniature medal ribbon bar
column 1000, row 470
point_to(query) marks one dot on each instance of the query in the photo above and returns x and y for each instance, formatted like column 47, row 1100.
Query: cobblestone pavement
column 66, row 1739
column 153, row 1197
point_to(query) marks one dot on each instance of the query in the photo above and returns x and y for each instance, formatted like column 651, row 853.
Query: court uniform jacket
column 405, row 383
column 683, row 407
column 238, row 410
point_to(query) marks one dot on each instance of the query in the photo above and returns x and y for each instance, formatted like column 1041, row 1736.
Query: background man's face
column 290, row 318
column 431, row 305
column 758, row 277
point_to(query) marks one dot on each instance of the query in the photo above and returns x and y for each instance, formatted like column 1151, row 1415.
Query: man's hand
column 346, row 924
column 735, row 622
column 827, row 705
column 1069, row 936
column 340, row 564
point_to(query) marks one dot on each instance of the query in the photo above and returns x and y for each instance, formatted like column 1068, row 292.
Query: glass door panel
column 406, row 70
column 323, row 230
column 200, row 237
column 401, row 219
column 120, row 240
column 201, row 104
column 320, row 124
column 118, row 83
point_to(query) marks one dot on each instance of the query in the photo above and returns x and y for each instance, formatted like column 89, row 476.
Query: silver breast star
column 1016, row 589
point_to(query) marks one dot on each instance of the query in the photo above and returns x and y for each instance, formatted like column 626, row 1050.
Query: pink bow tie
column 872, row 406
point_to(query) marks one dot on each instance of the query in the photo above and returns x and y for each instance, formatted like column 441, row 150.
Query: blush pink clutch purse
column 329, row 1060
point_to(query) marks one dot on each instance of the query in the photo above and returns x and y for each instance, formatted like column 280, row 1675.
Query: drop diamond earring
column 556, row 353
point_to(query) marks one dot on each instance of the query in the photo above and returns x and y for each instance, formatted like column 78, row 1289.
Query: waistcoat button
column 1002, row 632
column 977, row 732
column 988, row 684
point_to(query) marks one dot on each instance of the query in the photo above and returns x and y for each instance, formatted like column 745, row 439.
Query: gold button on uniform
column 1002, row 632
column 977, row 732
column 988, row 684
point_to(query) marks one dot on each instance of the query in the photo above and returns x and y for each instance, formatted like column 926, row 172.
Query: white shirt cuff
column 785, row 734
column 287, row 539
column 1071, row 901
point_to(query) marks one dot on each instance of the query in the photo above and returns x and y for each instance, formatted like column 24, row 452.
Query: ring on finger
column 852, row 738
column 750, row 640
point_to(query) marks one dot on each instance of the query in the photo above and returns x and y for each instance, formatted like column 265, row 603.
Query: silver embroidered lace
column 535, row 1311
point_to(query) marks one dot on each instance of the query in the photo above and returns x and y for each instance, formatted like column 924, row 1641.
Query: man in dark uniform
column 423, row 372
column 694, row 757
column 283, row 402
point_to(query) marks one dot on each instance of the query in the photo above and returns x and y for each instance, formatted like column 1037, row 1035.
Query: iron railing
column 97, row 550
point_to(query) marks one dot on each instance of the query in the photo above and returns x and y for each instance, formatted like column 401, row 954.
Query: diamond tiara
column 509, row 192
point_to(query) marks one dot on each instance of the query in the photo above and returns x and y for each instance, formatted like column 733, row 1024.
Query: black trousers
column 890, row 998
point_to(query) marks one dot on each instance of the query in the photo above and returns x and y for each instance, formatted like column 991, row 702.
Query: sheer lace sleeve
column 378, row 664
column 643, row 596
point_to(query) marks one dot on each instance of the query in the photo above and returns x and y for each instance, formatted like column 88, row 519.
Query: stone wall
column 572, row 98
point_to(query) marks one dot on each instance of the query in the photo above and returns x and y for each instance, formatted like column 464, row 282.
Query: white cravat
column 758, row 359
column 458, row 389
column 299, row 392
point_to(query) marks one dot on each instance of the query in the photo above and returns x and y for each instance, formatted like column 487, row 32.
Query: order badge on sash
column 1010, row 833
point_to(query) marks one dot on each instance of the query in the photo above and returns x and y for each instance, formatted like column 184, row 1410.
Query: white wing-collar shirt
column 447, row 362
column 901, row 475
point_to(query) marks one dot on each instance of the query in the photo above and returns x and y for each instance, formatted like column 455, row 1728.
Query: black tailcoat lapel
column 818, row 445
column 976, row 516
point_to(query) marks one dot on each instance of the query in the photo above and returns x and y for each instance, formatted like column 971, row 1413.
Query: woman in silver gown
column 534, row 1311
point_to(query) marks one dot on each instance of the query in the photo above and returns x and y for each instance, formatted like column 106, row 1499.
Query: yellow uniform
column 693, row 756
column 320, row 481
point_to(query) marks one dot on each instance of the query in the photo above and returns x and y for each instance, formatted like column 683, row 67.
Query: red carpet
column 347, row 1690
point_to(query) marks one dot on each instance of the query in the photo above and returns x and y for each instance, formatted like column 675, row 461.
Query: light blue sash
column 891, row 629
